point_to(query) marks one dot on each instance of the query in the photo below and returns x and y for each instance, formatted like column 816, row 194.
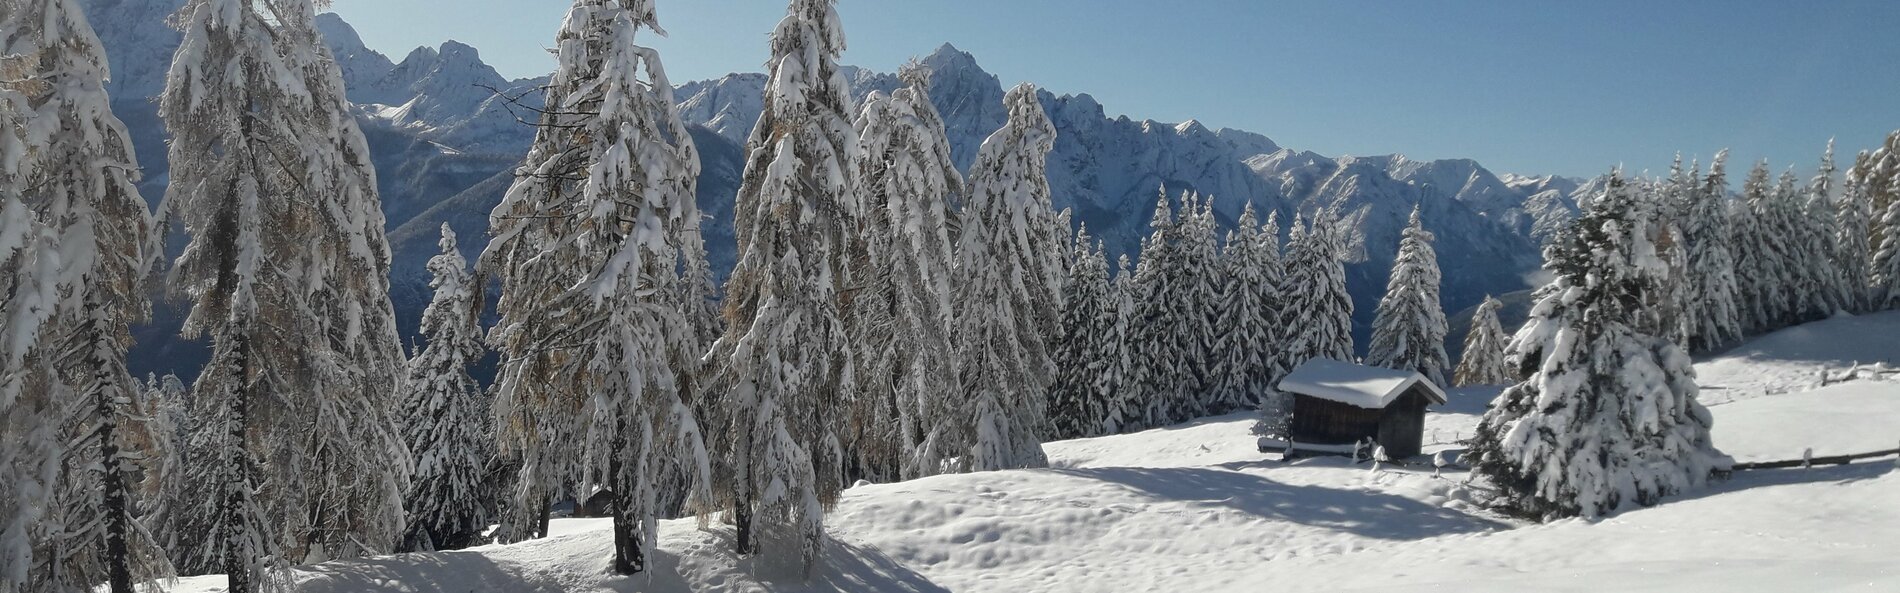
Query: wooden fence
column 1809, row 460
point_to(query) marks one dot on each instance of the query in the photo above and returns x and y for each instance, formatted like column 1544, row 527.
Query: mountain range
column 446, row 130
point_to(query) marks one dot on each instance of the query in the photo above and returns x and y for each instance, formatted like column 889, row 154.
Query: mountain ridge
column 446, row 130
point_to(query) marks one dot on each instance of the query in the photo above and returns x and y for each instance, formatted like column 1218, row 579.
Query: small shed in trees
column 1340, row 403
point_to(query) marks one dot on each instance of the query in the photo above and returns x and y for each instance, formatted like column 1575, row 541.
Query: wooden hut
column 1340, row 403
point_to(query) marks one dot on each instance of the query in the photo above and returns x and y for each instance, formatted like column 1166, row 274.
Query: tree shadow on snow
column 1761, row 478
column 1359, row 512
column 435, row 572
column 849, row 567
column 844, row 567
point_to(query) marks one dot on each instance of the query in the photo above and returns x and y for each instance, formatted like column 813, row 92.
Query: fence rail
column 1810, row 461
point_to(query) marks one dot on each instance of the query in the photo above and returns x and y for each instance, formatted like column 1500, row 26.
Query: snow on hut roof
column 1356, row 385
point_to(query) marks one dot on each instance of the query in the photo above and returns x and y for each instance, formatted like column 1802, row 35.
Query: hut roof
column 1356, row 385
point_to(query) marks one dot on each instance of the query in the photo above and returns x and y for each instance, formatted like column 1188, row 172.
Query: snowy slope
column 1194, row 508
column 1828, row 529
column 1853, row 417
column 1792, row 359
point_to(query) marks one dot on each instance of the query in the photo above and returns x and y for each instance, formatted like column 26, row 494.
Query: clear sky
column 1526, row 87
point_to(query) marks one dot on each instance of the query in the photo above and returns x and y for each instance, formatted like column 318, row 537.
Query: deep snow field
column 1195, row 508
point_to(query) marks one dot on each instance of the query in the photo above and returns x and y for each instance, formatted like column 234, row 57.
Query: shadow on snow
column 1364, row 513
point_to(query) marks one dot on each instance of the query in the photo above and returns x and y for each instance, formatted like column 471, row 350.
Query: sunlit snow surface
column 1195, row 508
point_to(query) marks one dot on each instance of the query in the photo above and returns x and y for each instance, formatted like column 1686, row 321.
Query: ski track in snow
column 1195, row 508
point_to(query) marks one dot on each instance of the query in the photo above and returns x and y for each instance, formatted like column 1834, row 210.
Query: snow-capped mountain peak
column 444, row 141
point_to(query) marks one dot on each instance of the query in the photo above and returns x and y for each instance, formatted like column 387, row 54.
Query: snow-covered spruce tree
column 1122, row 407
column 1853, row 252
column 1318, row 310
column 701, row 291
column 595, row 331
column 1606, row 416
column 29, row 289
column 900, row 319
column 1784, row 228
column 180, row 516
column 1078, row 402
column 1158, row 342
column 1274, row 298
column 170, row 407
column 1060, row 239
column 1825, row 289
column 445, row 413
column 1275, row 407
column 288, row 270
column 1245, row 349
column 1879, row 176
column 1483, row 360
column 1714, row 314
column 1200, row 276
column 81, row 184
column 1409, row 331
column 783, row 364
column 1757, row 262
column 1885, row 272
column 1005, row 291
column 1668, row 201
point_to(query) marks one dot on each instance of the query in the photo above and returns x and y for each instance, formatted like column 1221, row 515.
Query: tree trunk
column 231, row 513
column 628, row 557
column 742, row 526
column 547, row 511
column 112, row 486
column 742, row 491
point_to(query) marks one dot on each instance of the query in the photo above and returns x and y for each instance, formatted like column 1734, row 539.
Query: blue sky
column 1528, row 87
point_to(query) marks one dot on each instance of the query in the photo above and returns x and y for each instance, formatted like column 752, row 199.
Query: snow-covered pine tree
column 1853, row 252
column 701, row 291
column 1005, row 291
column 170, row 407
column 1060, row 239
column 1757, row 263
column 1483, row 360
column 29, row 288
column 1879, row 176
column 1714, row 314
column 1795, row 285
column 1078, row 405
column 1158, row 342
column 1318, row 310
column 1409, row 331
column 288, row 268
column 1273, row 301
column 1606, row 416
column 783, row 364
column 445, row 413
column 1826, row 291
column 1122, row 408
column 1201, row 277
column 1245, row 350
column 180, row 516
column 81, row 183
column 1669, row 202
column 1885, row 271
column 596, row 334
column 900, row 322
column 1275, row 407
